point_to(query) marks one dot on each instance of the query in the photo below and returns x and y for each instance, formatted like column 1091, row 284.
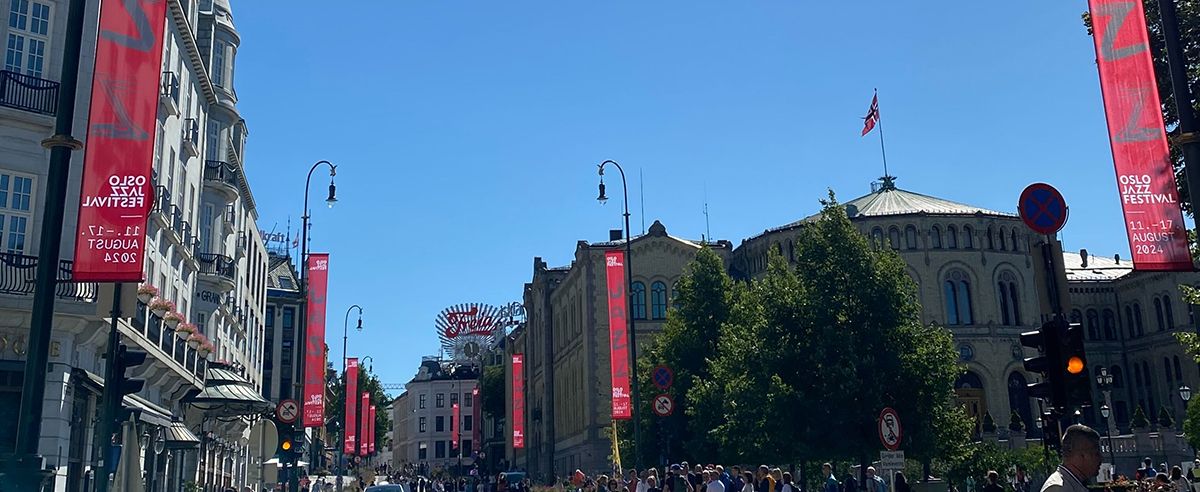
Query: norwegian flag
column 872, row 116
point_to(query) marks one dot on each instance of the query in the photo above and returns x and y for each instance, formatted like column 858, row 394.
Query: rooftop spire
column 887, row 182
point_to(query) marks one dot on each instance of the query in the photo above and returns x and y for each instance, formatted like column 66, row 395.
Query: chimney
column 1083, row 258
column 1118, row 258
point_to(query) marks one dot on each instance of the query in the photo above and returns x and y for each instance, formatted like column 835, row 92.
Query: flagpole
column 882, row 150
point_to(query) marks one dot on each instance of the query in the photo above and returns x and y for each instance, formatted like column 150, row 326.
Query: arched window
column 968, row 237
column 1170, row 314
column 877, row 238
column 1137, row 376
column 1129, row 322
column 1010, row 311
column 910, row 237
column 1158, row 314
column 935, row 237
column 1015, row 246
column 1093, row 324
column 1178, row 372
column 951, row 237
column 658, row 300
column 957, row 290
column 639, row 300
column 1167, row 370
column 894, row 237
column 791, row 251
column 1018, row 397
column 1002, row 238
column 1137, row 318
column 1076, row 316
column 1118, row 377
column 1110, row 324
column 991, row 238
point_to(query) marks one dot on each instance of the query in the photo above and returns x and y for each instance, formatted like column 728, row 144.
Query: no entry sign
column 1042, row 208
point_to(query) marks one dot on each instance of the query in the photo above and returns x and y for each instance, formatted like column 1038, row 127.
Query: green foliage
column 335, row 410
column 848, row 313
column 1015, row 423
column 1191, row 423
column 1139, row 420
column 1164, row 418
column 492, row 391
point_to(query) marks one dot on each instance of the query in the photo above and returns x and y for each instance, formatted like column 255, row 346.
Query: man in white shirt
column 1080, row 461
column 714, row 482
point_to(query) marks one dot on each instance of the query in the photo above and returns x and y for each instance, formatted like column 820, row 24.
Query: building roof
column 657, row 229
column 1098, row 269
column 890, row 200
column 281, row 274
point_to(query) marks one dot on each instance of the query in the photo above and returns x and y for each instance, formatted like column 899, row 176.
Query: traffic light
column 1076, row 382
column 1048, row 343
column 126, row 359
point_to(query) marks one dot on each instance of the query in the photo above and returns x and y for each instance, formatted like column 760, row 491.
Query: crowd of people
column 685, row 477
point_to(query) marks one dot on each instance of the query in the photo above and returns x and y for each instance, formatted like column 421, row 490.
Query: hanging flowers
column 160, row 306
column 146, row 292
column 172, row 319
column 185, row 330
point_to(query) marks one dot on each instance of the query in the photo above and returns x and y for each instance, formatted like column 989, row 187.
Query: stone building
column 974, row 270
column 203, row 251
column 421, row 418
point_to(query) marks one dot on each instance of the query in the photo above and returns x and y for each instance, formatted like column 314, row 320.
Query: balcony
column 18, row 274
column 230, row 223
column 217, row 270
column 28, row 93
column 185, row 359
column 162, row 206
column 168, row 94
column 222, row 178
column 191, row 136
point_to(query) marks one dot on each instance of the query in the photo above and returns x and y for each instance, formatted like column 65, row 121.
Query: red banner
column 1145, row 178
column 366, row 424
column 348, row 444
column 314, row 341
column 455, row 415
column 117, row 192
column 371, row 432
column 618, row 330
column 518, row 401
column 477, row 416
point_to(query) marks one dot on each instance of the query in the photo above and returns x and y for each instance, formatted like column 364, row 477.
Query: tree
column 491, row 391
column 798, row 337
column 689, row 336
column 1188, row 14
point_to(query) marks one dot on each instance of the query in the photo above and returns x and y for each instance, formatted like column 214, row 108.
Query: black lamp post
column 1104, row 381
column 302, row 346
column 637, row 426
column 1185, row 394
column 346, row 386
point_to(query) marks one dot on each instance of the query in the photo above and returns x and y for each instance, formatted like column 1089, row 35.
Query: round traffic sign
column 287, row 411
column 1042, row 208
column 663, row 377
column 664, row 405
column 890, row 432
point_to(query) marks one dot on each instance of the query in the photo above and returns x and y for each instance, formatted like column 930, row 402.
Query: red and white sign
column 664, row 405
column 314, row 341
column 371, row 432
column 469, row 320
column 518, row 400
column 287, row 411
column 117, row 191
column 365, row 407
column 1145, row 178
column 618, row 329
column 349, row 444
column 890, row 432
column 454, row 418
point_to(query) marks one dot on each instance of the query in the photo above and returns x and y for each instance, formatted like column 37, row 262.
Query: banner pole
column 882, row 150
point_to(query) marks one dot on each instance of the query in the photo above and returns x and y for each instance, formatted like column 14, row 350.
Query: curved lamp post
column 602, row 198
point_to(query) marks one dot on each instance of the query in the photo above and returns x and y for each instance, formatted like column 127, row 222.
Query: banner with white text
column 314, row 340
column 618, row 329
column 349, row 444
column 1145, row 175
column 518, row 401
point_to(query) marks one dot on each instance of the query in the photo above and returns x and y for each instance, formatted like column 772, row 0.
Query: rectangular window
column 440, row 402
column 213, row 134
column 467, row 400
column 16, row 197
column 421, row 424
column 29, row 29
column 206, row 228
column 218, row 64
column 453, row 398
column 270, row 316
column 439, row 449
column 289, row 321
column 466, row 447
column 421, row 401
column 422, row 451
column 467, row 423
column 439, row 424
column 200, row 319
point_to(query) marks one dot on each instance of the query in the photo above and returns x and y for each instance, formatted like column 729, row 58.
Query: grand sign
column 466, row 329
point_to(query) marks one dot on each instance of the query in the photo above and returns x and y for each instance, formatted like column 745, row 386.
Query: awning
column 226, row 394
column 178, row 436
column 145, row 410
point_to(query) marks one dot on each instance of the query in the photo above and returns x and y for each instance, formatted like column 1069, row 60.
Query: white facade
column 203, row 249
column 421, row 419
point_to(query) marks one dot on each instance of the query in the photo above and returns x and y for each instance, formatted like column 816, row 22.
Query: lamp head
column 332, row 193
column 602, row 198
column 359, row 327
column 1185, row 393
column 1104, row 410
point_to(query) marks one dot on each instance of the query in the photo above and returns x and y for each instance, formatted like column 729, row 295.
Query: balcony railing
column 218, row 265
column 170, row 86
column 18, row 274
column 151, row 327
column 28, row 93
column 221, row 171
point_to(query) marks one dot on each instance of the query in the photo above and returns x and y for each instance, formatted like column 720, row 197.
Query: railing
column 18, row 274
column 28, row 93
column 221, row 171
column 177, row 221
column 218, row 265
column 191, row 132
column 151, row 326
column 162, row 202
column 170, row 86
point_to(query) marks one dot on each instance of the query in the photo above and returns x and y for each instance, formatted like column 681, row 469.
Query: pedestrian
column 1178, row 482
column 1080, row 461
column 694, row 476
column 787, row 483
column 831, row 483
column 736, row 482
column 1147, row 470
column 724, row 478
column 902, row 483
column 993, row 482
column 652, row 484
column 714, row 482
column 851, row 482
column 747, row 481
column 676, row 481
column 765, row 482
column 631, row 481
column 875, row 482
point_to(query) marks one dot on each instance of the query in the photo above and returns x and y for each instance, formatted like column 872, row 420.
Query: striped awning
column 178, row 436
column 226, row 394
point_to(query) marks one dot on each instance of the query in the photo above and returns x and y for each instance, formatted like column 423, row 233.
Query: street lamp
column 1185, row 394
column 302, row 346
column 1104, row 382
column 602, row 198
column 1105, row 412
column 345, row 377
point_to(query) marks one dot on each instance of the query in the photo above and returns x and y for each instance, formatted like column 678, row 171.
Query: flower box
column 146, row 292
column 185, row 330
column 173, row 319
column 160, row 306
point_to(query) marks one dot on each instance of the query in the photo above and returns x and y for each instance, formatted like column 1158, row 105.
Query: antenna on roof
column 707, row 231
column 642, row 198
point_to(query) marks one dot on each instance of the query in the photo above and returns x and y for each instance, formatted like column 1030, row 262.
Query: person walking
column 831, row 483
column 747, row 481
column 1080, row 461
column 850, row 484
column 902, row 483
column 993, row 482
column 788, row 486
column 736, row 481
column 1178, row 482
column 875, row 483
column 676, row 480
column 714, row 482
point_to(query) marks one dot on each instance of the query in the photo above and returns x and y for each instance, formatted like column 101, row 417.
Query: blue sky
column 467, row 132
